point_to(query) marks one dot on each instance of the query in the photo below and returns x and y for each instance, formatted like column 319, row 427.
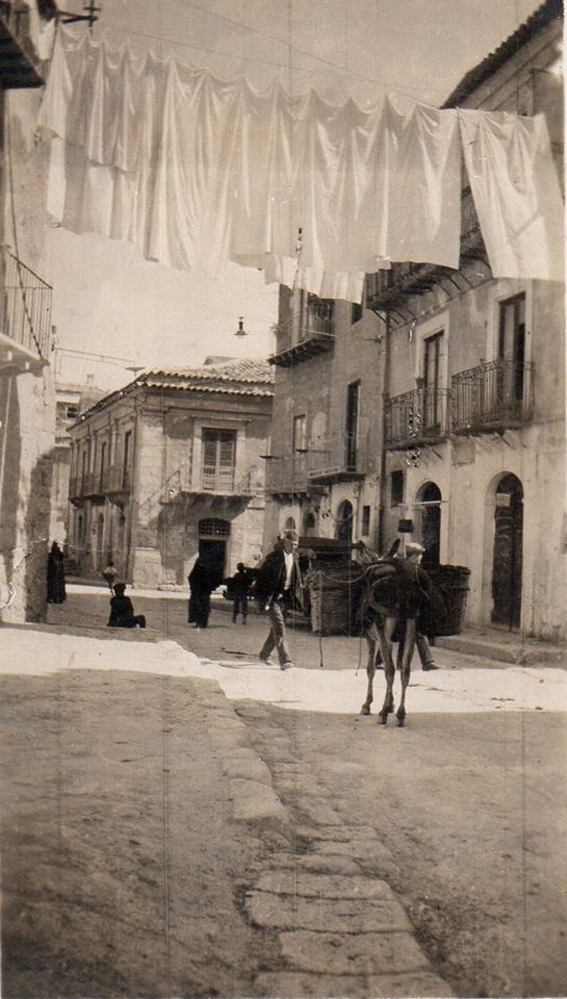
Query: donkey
column 398, row 591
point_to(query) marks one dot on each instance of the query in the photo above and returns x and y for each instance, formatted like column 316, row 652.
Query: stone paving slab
column 357, row 849
column 299, row 985
column 331, row 915
column 341, row 953
column 315, row 864
column 338, row 834
column 319, row 810
column 255, row 803
column 421, row 984
column 324, row 885
column 246, row 765
column 300, row 785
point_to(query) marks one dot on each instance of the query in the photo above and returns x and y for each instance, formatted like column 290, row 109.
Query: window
column 126, row 457
column 219, row 453
column 102, row 461
column 511, row 349
column 353, row 404
column 315, row 316
column 309, row 525
column 300, row 432
column 396, row 488
column 71, row 411
column 213, row 528
column 431, row 400
column 84, row 460
column 289, row 524
column 356, row 313
column 365, row 529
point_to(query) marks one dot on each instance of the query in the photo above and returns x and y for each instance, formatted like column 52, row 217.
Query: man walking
column 278, row 587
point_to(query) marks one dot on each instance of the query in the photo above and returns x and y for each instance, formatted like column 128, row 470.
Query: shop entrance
column 507, row 558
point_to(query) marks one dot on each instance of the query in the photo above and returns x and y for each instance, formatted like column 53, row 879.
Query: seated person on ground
column 122, row 612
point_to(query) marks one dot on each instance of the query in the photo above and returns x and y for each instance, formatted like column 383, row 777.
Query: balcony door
column 507, row 557
column 511, row 352
column 431, row 414
column 352, row 417
column 219, row 453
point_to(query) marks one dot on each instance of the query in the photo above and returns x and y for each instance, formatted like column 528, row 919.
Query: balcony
column 389, row 289
column 416, row 419
column 25, row 316
column 116, row 481
column 215, row 483
column 287, row 476
column 336, row 458
column 495, row 396
column 315, row 333
column 18, row 60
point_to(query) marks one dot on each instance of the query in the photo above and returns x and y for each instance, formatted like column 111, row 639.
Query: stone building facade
column 322, row 477
column 170, row 467
column 461, row 395
column 27, row 400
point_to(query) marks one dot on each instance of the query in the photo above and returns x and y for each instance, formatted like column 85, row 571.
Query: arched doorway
column 309, row 525
column 345, row 516
column 430, row 522
column 507, row 557
column 214, row 535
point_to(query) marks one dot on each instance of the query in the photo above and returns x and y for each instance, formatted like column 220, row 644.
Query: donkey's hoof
column 383, row 718
column 400, row 718
column 365, row 709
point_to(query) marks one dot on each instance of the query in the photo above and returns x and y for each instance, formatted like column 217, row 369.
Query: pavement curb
column 253, row 798
column 518, row 655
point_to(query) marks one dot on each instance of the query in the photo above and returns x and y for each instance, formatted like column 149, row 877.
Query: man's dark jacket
column 271, row 578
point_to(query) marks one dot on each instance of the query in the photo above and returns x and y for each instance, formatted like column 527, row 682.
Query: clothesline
column 194, row 170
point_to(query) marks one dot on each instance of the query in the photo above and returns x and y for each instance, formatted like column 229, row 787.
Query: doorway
column 344, row 522
column 214, row 535
column 430, row 496
column 507, row 557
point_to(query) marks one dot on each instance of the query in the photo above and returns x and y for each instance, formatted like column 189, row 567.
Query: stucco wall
column 27, row 412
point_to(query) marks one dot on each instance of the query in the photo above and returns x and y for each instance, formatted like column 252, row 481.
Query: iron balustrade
column 211, row 480
column 25, row 306
column 496, row 395
column 287, row 475
column 338, row 455
column 417, row 417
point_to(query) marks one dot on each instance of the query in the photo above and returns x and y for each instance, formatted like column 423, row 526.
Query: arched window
column 309, row 525
column 429, row 505
column 345, row 516
column 289, row 524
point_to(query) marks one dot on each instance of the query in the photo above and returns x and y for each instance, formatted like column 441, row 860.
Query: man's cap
column 291, row 536
column 414, row 548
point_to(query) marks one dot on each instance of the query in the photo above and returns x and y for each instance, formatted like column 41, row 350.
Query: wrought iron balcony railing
column 313, row 327
column 287, row 475
column 342, row 456
column 25, row 308
column 116, row 478
column 496, row 395
column 213, row 481
column 416, row 418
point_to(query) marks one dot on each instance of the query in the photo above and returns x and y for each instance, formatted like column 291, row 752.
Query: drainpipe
column 385, row 400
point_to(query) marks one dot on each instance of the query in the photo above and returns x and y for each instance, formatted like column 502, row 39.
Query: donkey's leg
column 385, row 632
column 372, row 642
column 405, row 666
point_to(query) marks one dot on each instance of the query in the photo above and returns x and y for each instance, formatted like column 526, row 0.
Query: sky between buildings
column 109, row 300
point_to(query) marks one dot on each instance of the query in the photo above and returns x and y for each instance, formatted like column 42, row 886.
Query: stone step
column 529, row 653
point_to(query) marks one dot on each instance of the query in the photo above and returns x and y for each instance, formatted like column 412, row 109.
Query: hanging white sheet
column 516, row 193
column 196, row 171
